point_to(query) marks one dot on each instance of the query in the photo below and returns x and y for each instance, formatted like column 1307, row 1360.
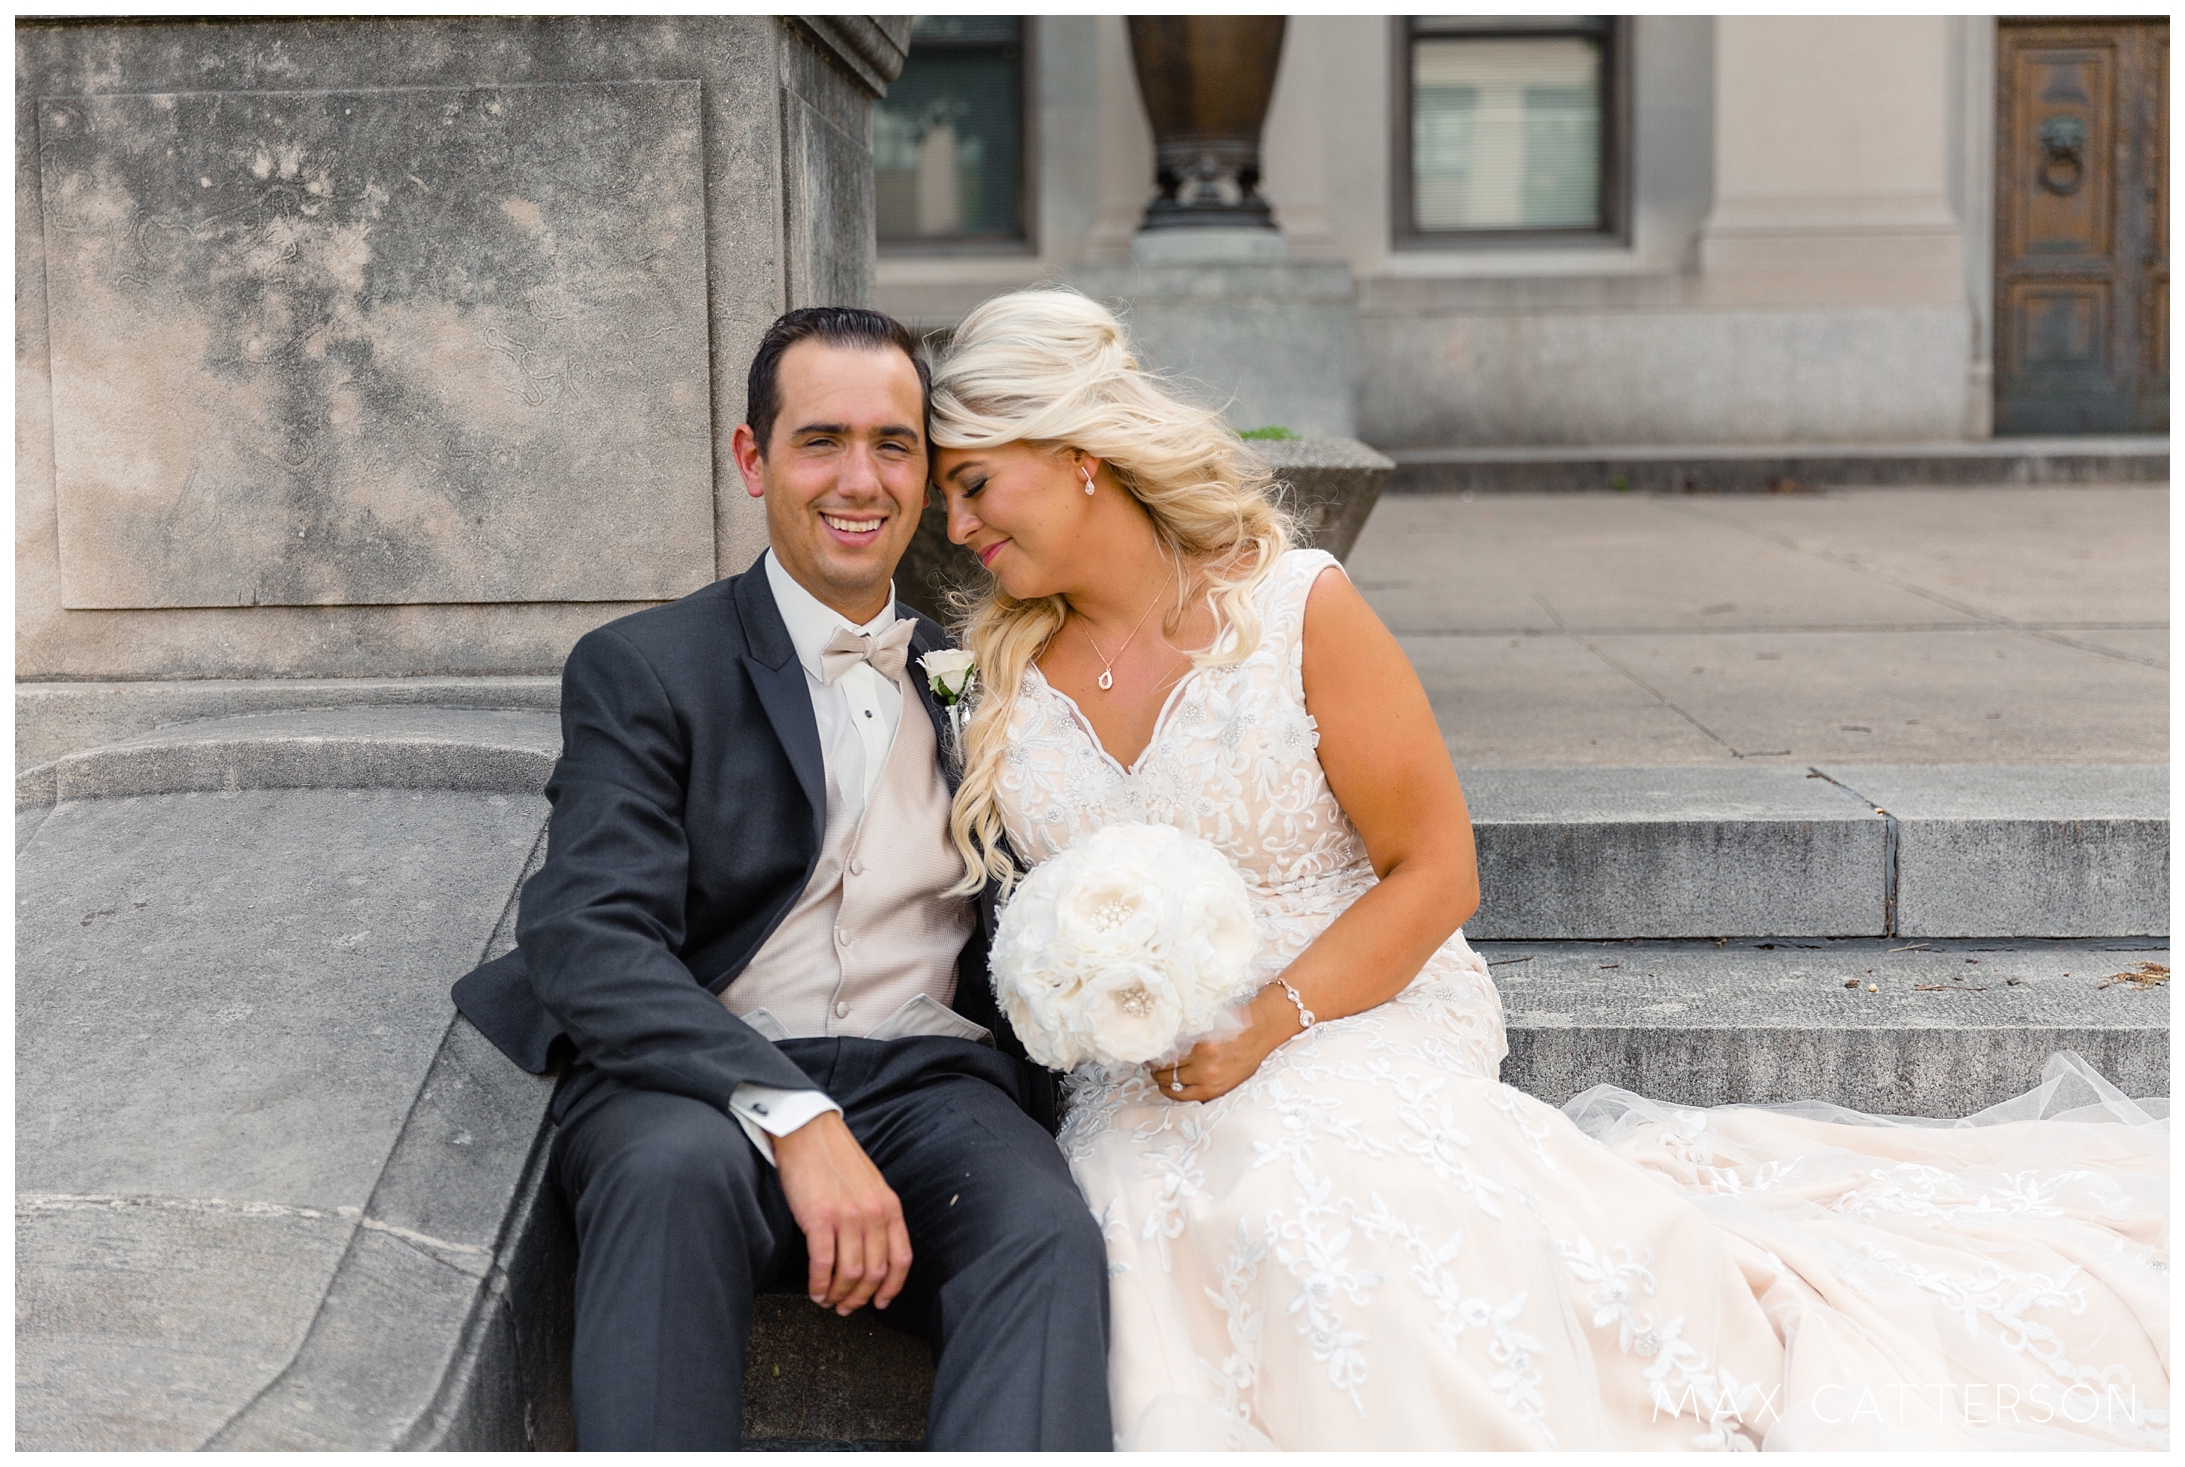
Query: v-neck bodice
column 1092, row 735
column 1232, row 759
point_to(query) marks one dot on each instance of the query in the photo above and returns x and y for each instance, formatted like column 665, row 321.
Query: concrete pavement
column 1992, row 625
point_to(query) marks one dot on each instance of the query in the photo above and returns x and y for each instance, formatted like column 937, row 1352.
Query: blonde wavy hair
column 1050, row 368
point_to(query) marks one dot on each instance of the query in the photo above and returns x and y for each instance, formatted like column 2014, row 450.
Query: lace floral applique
column 1238, row 1374
column 2009, row 1299
column 1314, row 1246
column 1681, row 1377
column 1515, row 1106
column 1518, row 1379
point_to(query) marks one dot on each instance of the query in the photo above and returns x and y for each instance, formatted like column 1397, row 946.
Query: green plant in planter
column 1274, row 433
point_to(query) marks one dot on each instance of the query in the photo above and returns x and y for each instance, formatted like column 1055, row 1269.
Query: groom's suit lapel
column 770, row 659
column 923, row 641
column 975, row 998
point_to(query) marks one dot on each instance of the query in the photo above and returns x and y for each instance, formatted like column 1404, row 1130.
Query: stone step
column 1736, row 468
column 57, row 718
column 816, row 1380
column 1569, row 853
column 498, row 750
column 1925, row 1028
column 1834, row 851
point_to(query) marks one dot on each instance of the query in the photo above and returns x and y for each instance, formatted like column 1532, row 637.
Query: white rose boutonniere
column 950, row 674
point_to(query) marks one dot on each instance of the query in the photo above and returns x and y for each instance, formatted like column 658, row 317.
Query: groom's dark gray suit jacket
column 689, row 804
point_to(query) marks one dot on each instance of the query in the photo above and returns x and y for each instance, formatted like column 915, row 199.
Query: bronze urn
column 1206, row 81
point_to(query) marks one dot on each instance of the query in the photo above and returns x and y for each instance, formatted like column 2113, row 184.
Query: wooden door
column 2082, row 225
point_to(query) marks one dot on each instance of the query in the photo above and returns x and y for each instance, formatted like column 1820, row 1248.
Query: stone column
column 1832, row 164
column 355, row 353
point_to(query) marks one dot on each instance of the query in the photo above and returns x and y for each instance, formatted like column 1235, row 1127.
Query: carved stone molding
column 869, row 47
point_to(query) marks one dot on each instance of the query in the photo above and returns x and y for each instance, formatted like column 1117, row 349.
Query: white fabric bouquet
column 1128, row 947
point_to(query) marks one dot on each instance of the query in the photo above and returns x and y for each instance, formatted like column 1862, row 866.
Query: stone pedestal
column 1271, row 344
column 1211, row 295
column 1208, row 246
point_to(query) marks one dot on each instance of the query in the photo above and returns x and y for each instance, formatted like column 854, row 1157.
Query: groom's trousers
column 680, row 1223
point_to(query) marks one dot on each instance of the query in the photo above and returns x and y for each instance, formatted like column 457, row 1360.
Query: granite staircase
column 273, row 1193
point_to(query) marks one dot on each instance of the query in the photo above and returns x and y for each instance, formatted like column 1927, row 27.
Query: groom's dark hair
column 836, row 326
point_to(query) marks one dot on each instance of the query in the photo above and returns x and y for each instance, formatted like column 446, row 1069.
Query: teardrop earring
column 1088, row 478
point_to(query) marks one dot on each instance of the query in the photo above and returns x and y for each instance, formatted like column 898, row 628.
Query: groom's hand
column 853, row 1224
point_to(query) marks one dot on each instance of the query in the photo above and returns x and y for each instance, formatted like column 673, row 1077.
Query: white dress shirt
column 857, row 714
column 858, row 711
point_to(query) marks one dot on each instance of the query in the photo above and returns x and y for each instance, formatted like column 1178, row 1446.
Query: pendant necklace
column 1106, row 679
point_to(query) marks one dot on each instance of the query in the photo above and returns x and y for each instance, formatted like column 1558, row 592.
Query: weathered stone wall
column 392, row 348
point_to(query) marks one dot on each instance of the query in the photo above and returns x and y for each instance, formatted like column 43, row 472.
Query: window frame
column 1614, row 227
column 1026, row 240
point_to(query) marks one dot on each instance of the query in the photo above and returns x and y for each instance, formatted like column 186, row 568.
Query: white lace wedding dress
column 1373, row 1243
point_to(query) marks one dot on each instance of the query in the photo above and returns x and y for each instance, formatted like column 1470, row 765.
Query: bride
column 1336, row 1229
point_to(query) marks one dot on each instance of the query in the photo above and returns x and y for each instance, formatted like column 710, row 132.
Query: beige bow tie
column 889, row 652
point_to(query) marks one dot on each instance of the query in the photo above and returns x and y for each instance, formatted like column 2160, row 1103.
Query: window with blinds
column 948, row 139
column 1511, row 128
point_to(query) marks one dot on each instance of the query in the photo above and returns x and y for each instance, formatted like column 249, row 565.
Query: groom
column 788, row 1068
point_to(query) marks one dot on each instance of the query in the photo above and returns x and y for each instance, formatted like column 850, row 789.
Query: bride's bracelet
column 1304, row 1015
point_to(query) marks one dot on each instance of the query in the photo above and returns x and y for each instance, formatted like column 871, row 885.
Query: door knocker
column 2063, row 154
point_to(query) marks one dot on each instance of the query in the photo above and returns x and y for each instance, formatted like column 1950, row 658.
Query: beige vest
column 870, row 947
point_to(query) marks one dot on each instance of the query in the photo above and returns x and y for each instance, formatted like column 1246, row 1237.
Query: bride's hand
column 1214, row 1067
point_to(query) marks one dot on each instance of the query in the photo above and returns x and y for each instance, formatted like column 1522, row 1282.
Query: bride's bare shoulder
column 1357, row 680
column 1330, row 596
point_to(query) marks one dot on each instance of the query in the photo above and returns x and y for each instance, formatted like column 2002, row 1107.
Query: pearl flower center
column 1137, row 1003
column 1111, row 915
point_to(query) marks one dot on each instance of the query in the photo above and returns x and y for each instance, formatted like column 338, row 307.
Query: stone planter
column 1332, row 486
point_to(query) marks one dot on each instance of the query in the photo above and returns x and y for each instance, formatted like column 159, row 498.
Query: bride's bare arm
column 1389, row 770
